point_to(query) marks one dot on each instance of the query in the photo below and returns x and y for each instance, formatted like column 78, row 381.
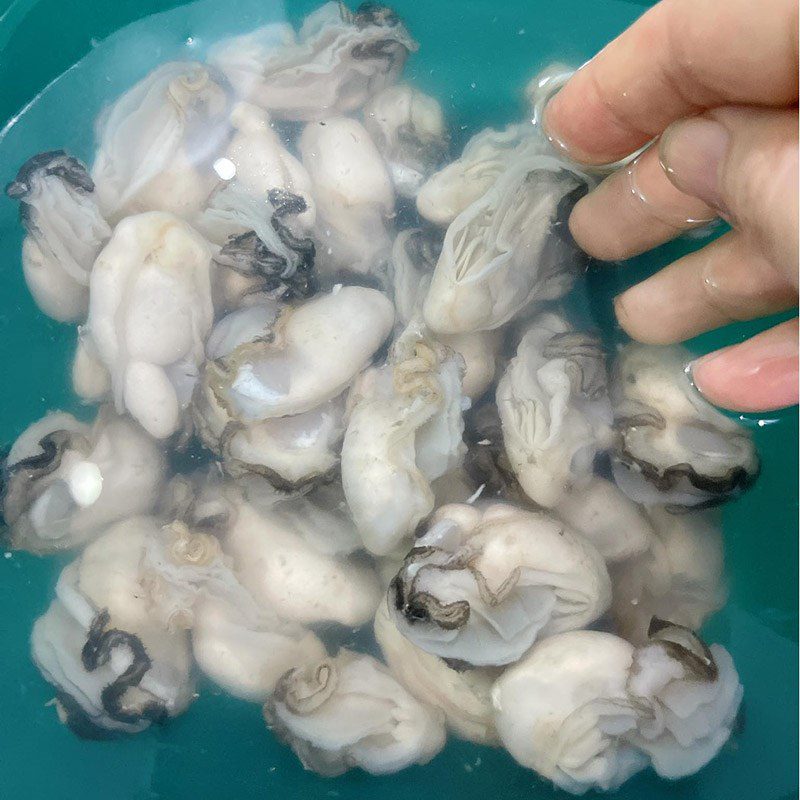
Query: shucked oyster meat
column 481, row 586
column 64, row 481
column 554, row 408
column 673, row 447
column 349, row 711
column 116, row 667
column 404, row 431
column 507, row 250
column 308, row 356
column 150, row 310
column 65, row 232
column 337, row 61
column 586, row 709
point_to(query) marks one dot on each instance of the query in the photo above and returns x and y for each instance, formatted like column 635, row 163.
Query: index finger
column 680, row 58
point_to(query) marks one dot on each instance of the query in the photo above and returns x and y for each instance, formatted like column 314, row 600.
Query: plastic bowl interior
column 476, row 55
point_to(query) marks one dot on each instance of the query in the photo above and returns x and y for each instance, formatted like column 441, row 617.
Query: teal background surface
column 476, row 56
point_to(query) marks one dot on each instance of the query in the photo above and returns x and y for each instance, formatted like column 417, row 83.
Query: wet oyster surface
column 353, row 452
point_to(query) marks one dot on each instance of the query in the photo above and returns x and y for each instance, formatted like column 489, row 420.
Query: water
column 475, row 58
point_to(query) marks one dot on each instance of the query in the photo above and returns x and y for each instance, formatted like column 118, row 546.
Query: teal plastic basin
column 475, row 55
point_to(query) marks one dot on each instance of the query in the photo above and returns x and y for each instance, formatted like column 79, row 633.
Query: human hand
column 716, row 80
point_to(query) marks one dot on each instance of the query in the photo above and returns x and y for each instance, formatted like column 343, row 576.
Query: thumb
column 742, row 162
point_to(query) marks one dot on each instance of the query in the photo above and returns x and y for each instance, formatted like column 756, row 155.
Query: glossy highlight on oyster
column 344, row 394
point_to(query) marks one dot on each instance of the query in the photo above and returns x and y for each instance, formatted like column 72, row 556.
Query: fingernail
column 759, row 374
column 692, row 152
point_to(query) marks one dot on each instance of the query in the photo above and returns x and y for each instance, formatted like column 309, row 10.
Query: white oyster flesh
column 292, row 450
column 337, row 61
column 240, row 644
column 159, row 140
column 673, row 447
column 483, row 584
column 564, row 711
column 248, row 659
column 149, row 312
column 587, row 709
column 695, row 694
column 409, row 129
column 608, row 518
column 283, row 557
column 349, row 711
column 65, row 232
column 507, row 250
column 680, row 577
column 354, row 194
column 414, row 255
column 485, row 157
column 115, row 666
column 554, row 408
column 313, row 353
column 463, row 696
column 404, row 431
column 67, row 481
column 480, row 351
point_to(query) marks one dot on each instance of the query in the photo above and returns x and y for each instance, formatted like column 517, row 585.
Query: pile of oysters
column 282, row 277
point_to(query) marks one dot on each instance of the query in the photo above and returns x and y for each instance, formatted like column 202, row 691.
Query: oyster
column 290, row 555
column 404, row 431
column 150, row 310
column 308, row 356
column 411, row 265
column 291, row 451
column 65, row 481
column 485, row 157
column 65, row 232
column 554, row 407
column 238, row 643
column 409, row 128
column 480, row 351
column 159, row 140
column 679, row 577
column 462, row 695
column 337, row 62
column 116, row 668
column 586, row 709
column 481, row 585
column 507, row 250
column 349, row 711
column 609, row 519
column 354, row 194
column 672, row 446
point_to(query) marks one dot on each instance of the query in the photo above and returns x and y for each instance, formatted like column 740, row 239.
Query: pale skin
column 715, row 83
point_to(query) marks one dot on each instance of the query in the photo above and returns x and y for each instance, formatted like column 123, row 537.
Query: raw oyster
column 586, row 709
column 349, row 711
column 673, row 447
column 462, row 695
column 679, row 577
column 481, row 585
column 65, row 481
column 554, row 407
column 159, row 140
column 337, row 62
column 485, row 157
column 290, row 555
column 608, row 518
column 65, row 232
column 404, row 431
column 355, row 199
column 408, row 127
column 414, row 255
column 480, row 351
column 291, row 451
column 116, row 668
column 308, row 356
column 150, row 310
column 241, row 645
column 507, row 250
